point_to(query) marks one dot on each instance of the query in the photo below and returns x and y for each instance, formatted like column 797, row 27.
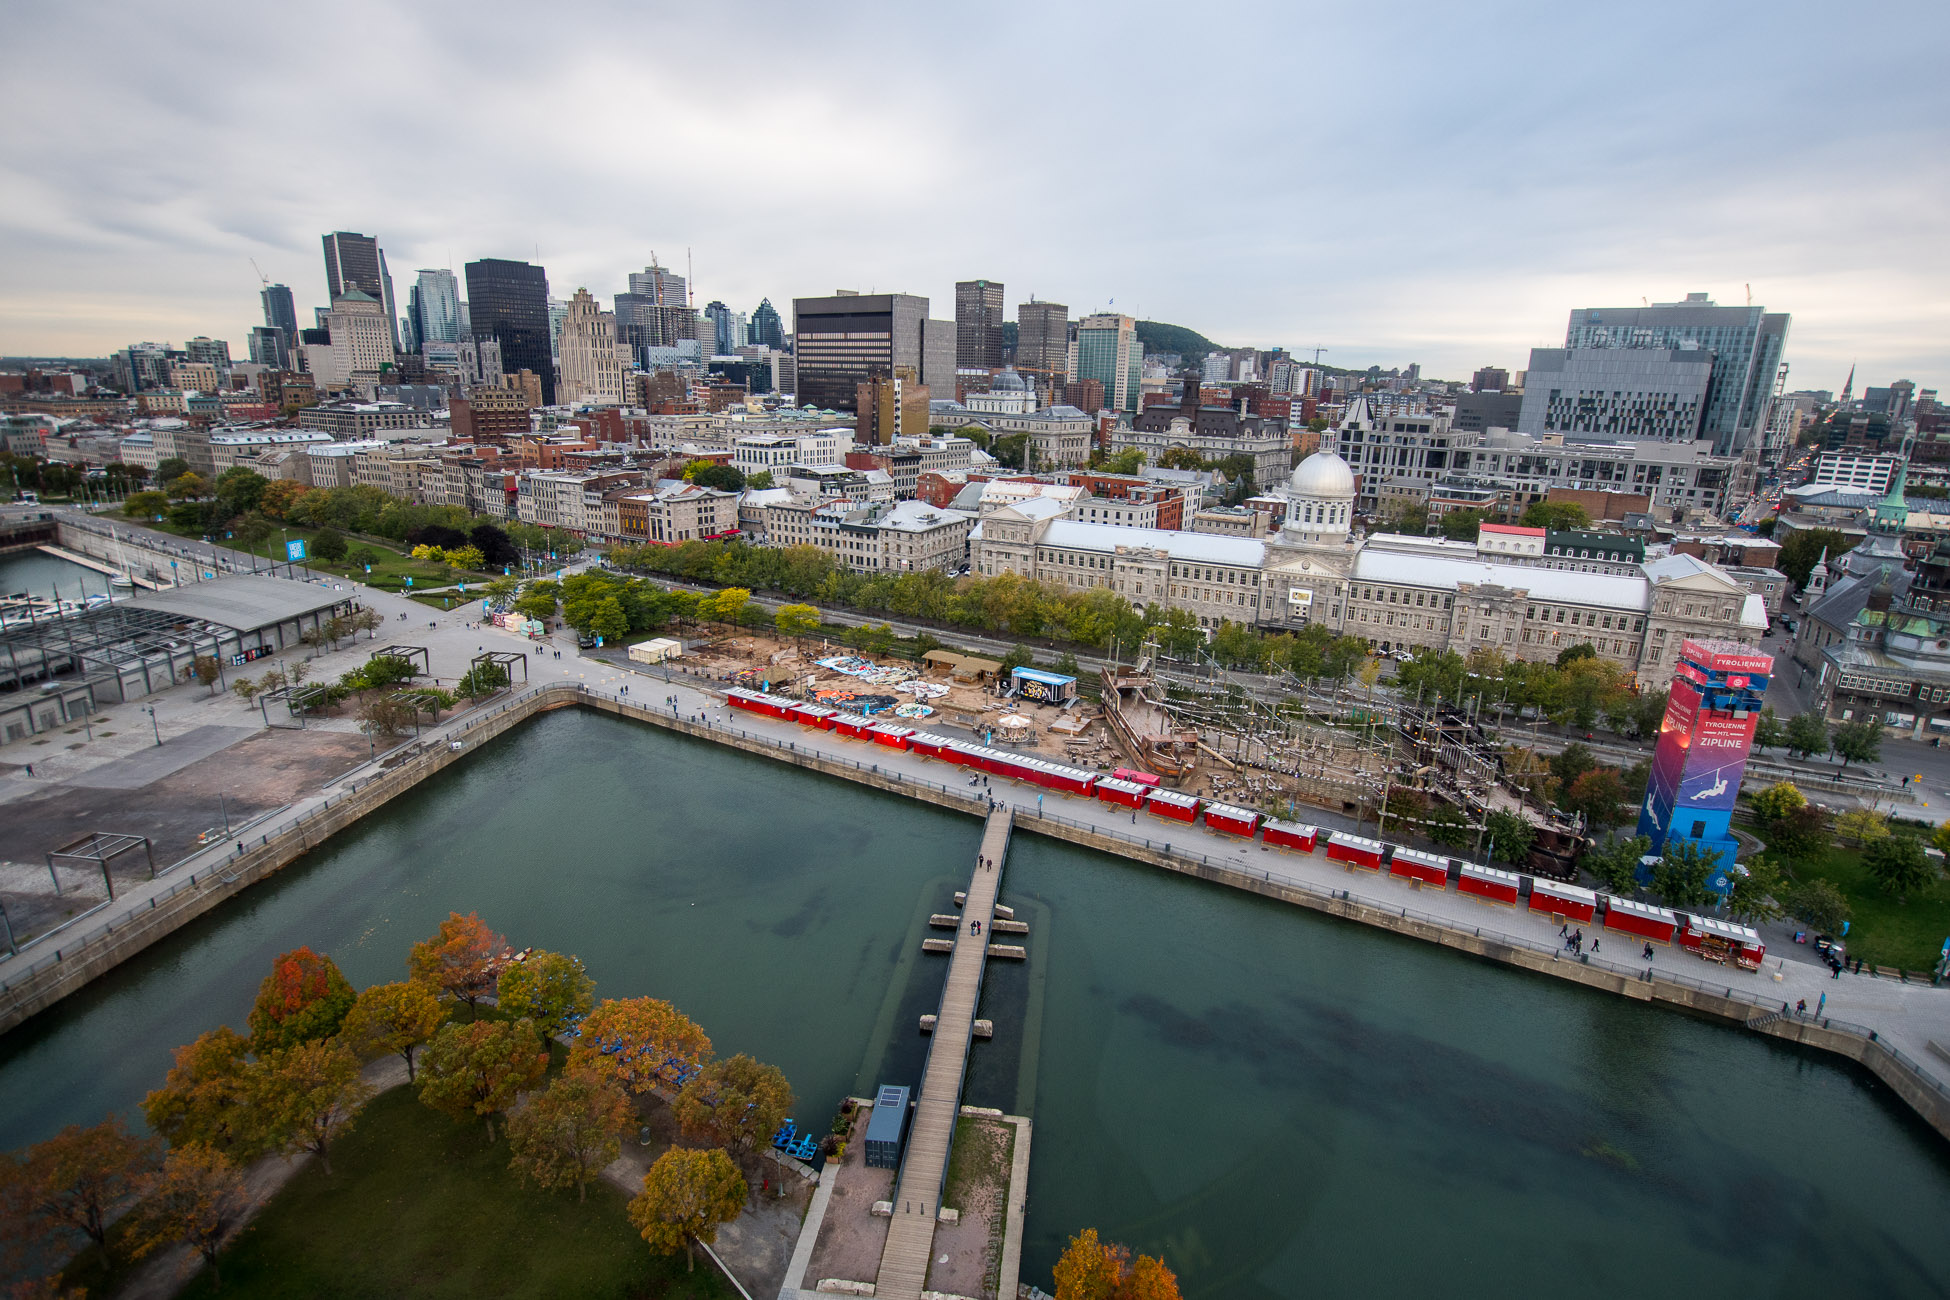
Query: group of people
column 1574, row 939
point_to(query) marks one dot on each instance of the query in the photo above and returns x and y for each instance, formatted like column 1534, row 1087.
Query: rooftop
column 242, row 602
column 1209, row 548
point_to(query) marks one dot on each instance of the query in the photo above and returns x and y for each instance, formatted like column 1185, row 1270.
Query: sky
column 1392, row 182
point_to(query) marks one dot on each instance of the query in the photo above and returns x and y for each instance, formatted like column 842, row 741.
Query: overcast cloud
column 1396, row 182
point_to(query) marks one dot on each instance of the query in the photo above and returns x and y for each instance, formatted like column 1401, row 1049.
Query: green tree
column 1859, row 741
column 565, row 1135
column 1803, row 549
column 1862, row 826
column 1558, row 515
column 1183, row 458
column 1570, row 763
column 728, row 603
column 550, row 988
column 686, row 1195
column 1682, row 872
column 305, row 997
column 1615, row 863
column 796, row 621
column 171, row 467
column 1510, row 836
column 1462, row 525
column 1899, row 864
column 1597, row 795
column 329, row 545
column 481, row 681
column 1777, row 801
column 1769, row 731
column 480, row 1068
column 145, row 505
column 307, row 1096
column 1807, row 734
column 394, row 1018
column 1755, row 889
column 1019, row 656
column 1448, row 826
column 610, row 622
column 726, row 478
column 1570, row 654
column 186, row 487
column 760, row 481
column 1818, row 903
column 736, row 1102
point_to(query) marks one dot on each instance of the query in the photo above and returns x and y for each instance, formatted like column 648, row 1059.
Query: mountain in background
column 1156, row 336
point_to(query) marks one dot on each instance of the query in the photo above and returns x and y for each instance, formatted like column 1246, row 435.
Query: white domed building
column 1320, row 500
column 1308, row 561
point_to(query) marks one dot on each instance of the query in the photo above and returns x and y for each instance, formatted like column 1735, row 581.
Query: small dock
column 924, row 1168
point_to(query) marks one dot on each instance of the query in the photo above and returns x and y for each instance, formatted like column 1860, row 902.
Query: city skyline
column 1453, row 222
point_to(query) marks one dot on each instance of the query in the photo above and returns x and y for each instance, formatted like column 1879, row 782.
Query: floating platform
column 979, row 1028
column 1015, row 952
column 944, row 921
column 1009, row 927
column 937, row 945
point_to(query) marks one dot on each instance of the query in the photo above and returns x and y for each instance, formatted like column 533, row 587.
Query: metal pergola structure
column 108, row 642
column 505, row 660
column 101, row 849
column 408, row 653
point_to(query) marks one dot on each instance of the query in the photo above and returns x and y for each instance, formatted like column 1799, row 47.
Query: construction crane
column 265, row 279
column 1317, row 352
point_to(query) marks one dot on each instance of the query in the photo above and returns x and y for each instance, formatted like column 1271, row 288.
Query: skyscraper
column 508, row 302
column 978, row 324
column 1745, row 342
column 768, row 330
column 434, row 306
column 842, row 341
column 1108, row 352
column 593, row 362
column 664, row 286
column 280, row 313
column 354, row 261
column 268, row 347
column 1042, row 338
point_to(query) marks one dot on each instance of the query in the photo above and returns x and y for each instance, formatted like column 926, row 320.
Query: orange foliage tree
column 73, row 1180
column 568, row 1133
column 304, row 998
column 205, row 1097
column 459, row 959
column 685, row 1196
column 394, row 1018
column 638, row 1043
column 197, row 1199
column 308, row 1094
column 1100, row 1270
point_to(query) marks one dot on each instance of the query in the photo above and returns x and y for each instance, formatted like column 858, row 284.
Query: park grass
column 1883, row 931
column 389, row 572
column 418, row 1205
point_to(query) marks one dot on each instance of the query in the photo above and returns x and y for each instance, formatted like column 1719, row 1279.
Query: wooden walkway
column 917, row 1195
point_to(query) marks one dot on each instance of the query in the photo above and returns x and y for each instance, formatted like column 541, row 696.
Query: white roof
column 1420, row 569
column 1037, row 507
column 767, row 496
column 919, row 517
column 1538, row 885
column 1208, row 548
column 1754, row 612
column 1669, row 568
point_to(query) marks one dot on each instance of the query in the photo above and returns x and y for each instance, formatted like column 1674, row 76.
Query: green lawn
column 420, row 1206
column 1883, row 931
column 389, row 572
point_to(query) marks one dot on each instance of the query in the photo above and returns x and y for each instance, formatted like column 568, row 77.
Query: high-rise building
column 1042, row 338
column 1745, row 344
column 434, row 307
column 507, row 301
column 728, row 332
column 768, row 330
column 888, row 407
column 280, row 313
column 938, row 343
column 1490, row 379
column 595, row 365
column 209, row 351
column 354, row 261
column 268, row 347
column 664, row 287
column 358, row 339
column 1108, row 351
column 978, row 324
column 842, row 341
column 557, row 309
column 1609, row 393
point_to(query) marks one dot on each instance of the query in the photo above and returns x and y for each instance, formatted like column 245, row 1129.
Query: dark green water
column 1283, row 1104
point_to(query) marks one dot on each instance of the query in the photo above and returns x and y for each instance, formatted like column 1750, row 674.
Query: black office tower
column 508, row 302
column 280, row 314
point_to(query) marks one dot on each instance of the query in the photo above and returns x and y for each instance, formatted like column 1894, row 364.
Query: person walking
column 1819, row 1005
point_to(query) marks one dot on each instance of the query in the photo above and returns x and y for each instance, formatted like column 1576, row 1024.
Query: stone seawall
column 82, row 960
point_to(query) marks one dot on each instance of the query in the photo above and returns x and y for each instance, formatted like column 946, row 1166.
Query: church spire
column 1848, row 389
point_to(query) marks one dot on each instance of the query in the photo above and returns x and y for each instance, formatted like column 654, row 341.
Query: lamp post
column 150, row 709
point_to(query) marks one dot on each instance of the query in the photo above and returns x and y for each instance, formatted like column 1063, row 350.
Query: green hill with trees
column 1156, row 336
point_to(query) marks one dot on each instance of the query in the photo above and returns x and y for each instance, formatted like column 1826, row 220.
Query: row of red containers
column 1569, row 903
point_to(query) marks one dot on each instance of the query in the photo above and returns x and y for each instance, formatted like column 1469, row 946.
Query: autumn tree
column 796, row 621
column 565, row 1136
column 1091, row 1269
column 196, row 1199
column 685, row 1196
column 205, row 1097
column 394, row 1018
column 549, row 988
column 631, row 1041
column 74, row 1180
column 1599, row 795
column 457, row 959
column 737, row 1103
column 305, row 997
column 306, row 1096
column 479, row 1068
